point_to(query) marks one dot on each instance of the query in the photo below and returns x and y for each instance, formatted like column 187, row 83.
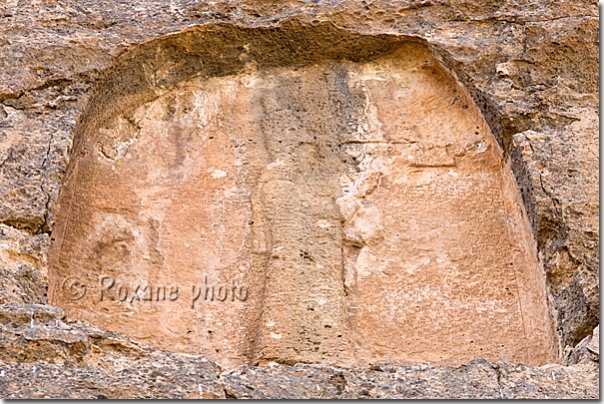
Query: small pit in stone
column 252, row 215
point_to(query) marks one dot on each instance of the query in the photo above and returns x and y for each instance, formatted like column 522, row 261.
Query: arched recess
column 296, row 194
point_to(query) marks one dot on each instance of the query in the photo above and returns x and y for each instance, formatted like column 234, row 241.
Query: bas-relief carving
column 356, row 213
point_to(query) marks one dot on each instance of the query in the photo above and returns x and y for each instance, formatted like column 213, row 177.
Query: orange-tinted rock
column 342, row 212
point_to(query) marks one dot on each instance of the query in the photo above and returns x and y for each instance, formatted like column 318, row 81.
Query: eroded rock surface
column 45, row 357
column 340, row 212
column 532, row 70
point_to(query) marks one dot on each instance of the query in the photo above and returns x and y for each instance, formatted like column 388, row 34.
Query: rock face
column 44, row 357
column 334, row 212
column 352, row 188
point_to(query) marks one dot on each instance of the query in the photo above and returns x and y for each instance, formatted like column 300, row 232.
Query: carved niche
column 339, row 210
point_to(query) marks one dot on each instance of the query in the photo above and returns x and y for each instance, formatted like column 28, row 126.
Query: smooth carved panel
column 343, row 212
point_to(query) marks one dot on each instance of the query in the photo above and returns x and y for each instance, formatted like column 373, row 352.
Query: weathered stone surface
column 262, row 189
column 585, row 352
column 530, row 67
column 23, row 266
column 477, row 379
column 594, row 345
column 45, row 358
column 474, row 380
column 551, row 381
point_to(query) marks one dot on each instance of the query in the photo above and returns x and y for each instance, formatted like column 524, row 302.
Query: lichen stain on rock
column 364, row 205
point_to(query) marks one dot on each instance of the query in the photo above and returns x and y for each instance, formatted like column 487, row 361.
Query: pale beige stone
column 344, row 212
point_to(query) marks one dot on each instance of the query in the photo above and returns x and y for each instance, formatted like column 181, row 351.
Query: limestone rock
column 43, row 357
column 594, row 344
column 531, row 70
column 586, row 352
column 23, row 266
column 210, row 210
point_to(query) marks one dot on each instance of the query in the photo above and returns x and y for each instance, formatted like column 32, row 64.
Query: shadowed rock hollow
column 337, row 199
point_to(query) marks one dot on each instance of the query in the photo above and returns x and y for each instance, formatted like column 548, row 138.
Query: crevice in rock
column 11, row 96
column 338, row 380
column 53, row 82
column 497, row 370
column 30, row 226
column 229, row 396
column 44, row 226
column 10, row 153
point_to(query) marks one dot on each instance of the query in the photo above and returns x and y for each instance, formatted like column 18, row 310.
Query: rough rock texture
column 530, row 67
column 23, row 266
column 44, row 357
column 476, row 379
column 251, row 196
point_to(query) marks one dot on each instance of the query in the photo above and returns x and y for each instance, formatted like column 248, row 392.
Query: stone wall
column 531, row 69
